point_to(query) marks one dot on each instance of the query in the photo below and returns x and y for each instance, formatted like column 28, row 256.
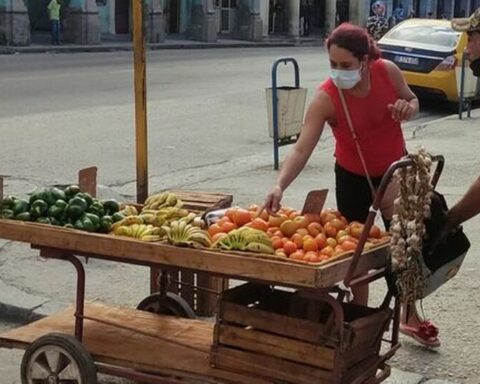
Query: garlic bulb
column 407, row 228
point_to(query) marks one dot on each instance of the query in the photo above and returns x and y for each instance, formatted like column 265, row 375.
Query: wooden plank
column 140, row 88
column 267, row 366
column 206, row 300
column 332, row 273
column 279, row 324
column 87, row 180
column 167, row 345
column 276, row 346
column 157, row 254
column 187, row 287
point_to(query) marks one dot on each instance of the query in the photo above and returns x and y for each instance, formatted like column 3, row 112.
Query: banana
column 127, row 221
column 202, row 238
column 259, row 248
column 122, row 231
column 189, row 217
column 129, row 210
column 151, row 238
column 171, row 200
column 161, row 197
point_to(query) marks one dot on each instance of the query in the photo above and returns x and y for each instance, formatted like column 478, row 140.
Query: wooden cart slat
column 156, row 254
column 115, row 342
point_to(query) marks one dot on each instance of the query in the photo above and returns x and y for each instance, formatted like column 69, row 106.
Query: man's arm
column 467, row 207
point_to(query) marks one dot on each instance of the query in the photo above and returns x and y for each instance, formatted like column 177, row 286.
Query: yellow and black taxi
column 429, row 53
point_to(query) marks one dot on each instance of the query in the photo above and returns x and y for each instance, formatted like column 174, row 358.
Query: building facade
column 85, row 21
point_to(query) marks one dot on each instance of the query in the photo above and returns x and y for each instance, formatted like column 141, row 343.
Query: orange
column 327, row 216
column 277, row 242
column 293, row 214
column 338, row 224
column 297, row 255
column 349, row 245
column 330, row 230
column 310, row 244
column 321, row 240
column 301, row 221
column 218, row 236
column 289, row 247
column 314, row 228
column 302, row 231
column 375, row 232
column 297, row 239
column 228, row 226
column 288, row 227
column 311, row 256
column 259, row 224
column 331, row 242
column 341, row 233
column 328, row 250
column 356, row 230
column 214, row 229
column 276, row 221
column 272, row 230
column 253, row 207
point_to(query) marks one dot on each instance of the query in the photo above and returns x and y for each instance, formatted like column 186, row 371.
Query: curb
column 152, row 47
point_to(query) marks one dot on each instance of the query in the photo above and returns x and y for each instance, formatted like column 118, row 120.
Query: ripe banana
column 127, row 221
column 259, row 248
column 129, row 210
column 151, row 238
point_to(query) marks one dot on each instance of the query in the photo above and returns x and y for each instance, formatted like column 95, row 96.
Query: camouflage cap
column 467, row 24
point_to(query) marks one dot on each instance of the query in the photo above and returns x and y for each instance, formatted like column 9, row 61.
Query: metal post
column 462, row 86
column 140, row 100
column 275, row 102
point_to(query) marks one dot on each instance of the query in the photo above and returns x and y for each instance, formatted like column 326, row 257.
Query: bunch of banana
column 179, row 232
column 161, row 200
column 129, row 210
column 140, row 231
column 127, row 221
column 246, row 239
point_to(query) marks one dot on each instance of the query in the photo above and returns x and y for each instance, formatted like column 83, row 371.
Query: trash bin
column 291, row 107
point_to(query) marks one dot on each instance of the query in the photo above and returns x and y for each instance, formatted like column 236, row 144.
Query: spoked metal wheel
column 167, row 304
column 57, row 359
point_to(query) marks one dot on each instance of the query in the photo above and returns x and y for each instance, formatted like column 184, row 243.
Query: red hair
column 354, row 39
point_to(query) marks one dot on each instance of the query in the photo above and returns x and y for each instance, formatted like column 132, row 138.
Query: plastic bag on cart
column 445, row 261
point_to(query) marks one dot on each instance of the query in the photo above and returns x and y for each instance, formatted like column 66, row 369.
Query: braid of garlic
column 407, row 228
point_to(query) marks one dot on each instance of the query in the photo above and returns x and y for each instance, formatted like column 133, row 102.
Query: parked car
column 429, row 53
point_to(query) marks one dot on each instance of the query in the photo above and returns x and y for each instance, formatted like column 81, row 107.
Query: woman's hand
column 272, row 201
column 401, row 110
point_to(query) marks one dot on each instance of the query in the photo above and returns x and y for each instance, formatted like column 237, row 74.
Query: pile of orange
column 311, row 237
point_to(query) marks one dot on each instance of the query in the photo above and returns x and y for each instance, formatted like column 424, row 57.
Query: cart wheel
column 57, row 359
column 169, row 304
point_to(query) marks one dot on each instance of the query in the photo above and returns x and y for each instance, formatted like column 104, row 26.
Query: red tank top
column 380, row 137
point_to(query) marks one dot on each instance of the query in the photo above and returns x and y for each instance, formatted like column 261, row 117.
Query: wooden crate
column 285, row 336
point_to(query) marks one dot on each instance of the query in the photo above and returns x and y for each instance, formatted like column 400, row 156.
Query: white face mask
column 345, row 78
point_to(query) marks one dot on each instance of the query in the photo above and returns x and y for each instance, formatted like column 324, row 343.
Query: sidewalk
column 24, row 293
column 111, row 43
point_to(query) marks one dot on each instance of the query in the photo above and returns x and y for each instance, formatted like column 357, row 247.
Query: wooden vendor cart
column 289, row 324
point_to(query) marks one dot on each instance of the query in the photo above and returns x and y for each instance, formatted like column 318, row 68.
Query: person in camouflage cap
column 469, row 205
column 471, row 25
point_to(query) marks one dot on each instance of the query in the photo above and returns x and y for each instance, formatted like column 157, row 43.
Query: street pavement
column 216, row 141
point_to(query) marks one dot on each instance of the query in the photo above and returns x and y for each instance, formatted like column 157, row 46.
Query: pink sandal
column 426, row 333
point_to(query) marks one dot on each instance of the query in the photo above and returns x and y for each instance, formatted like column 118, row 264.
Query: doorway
column 122, row 16
column 172, row 16
column 226, row 14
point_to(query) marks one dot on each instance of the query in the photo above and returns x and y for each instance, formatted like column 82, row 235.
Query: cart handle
column 439, row 159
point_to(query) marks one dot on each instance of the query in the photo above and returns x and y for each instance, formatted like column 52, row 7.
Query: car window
column 425, row 34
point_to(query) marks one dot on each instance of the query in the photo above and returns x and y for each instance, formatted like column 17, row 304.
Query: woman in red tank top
column 378, row 100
